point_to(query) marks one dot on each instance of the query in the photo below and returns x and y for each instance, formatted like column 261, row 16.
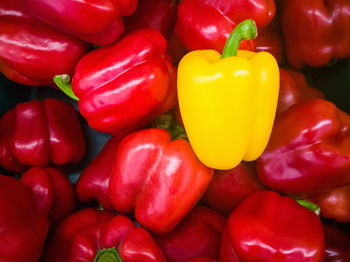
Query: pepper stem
column 168, row 122
column 63, row 82
column 313, row 207
column 244, row 30
column 107, row 255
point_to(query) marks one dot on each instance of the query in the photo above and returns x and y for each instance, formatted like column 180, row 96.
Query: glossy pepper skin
column 23, row 228
column 92, row 185
column 334, row 203
column 158, row 179
column 32, row 52
column 97, row 22
column 337, row 244
column 270, row 227
column 113, row 82
column 313, row 154
column 36, row 134
column 228, row 188
column 316, row 31
column 206, row 24
column 157, row 14
column 226, row 101
column 54, row 193
column 270, row 39
column 197, row 235
column 294, row 89
column 91, row 235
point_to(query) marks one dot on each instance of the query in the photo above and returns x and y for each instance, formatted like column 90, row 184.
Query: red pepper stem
column 313, row 207
column 107, row 255
column 244, row 30
column 63, row 82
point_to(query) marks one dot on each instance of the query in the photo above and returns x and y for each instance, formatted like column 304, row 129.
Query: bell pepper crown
column 107, row 255
column 168, row 122
column 208, row 84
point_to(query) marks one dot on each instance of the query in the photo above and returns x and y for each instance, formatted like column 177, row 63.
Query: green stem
column 63, row 82
column 313, row 207
column 244, row 30
column 168, row 122
column 108, row 255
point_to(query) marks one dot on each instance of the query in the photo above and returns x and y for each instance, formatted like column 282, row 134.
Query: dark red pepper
column 157, row 14
column 92, row 185
column 32, row 52
column 294, row 89
column 228, row 188
column 337, row 244
column 316, row 31
column 206, row 24
column 197, row 235
column 23, row 228
column 96, row 236
column 334, row 203
column 158, row 179
column 38, row 133
column 95, row 21
column 127, row 85
column 270, row 227
column 54, row 193
column 308, row 151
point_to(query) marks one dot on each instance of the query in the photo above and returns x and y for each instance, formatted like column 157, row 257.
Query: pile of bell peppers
column 173, row 131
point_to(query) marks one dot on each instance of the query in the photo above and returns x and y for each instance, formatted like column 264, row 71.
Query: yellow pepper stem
column 244, row 30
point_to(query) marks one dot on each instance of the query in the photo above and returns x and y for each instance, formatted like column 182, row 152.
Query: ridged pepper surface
column 39, row 133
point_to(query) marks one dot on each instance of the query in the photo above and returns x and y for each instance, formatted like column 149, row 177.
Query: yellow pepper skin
column 228, row 105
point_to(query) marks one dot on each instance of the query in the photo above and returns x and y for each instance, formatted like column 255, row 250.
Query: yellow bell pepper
column 228, row 103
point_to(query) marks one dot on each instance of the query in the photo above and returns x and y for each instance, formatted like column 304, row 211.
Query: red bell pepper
column 337, row 244
column 23, row 228
column 127, row 85
column 96, row 236
column 230, row 187
column 157, row 14
column 95, row 21
column 159, row 179
column 270, row 227
column 36, row 134
column 202, row 259
column 197, row 235
column 206, row 24
column 54, row 193
column 308, row 151
column 294, row 89
column 270, row 39
column 316, row 31
column 93, row 182
column 334, row 203
column 32, row 52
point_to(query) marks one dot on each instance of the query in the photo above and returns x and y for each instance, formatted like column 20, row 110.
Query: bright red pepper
column 54, row 193
column 32, row 52
column 159, row 179
column 38, row 133
column 294, row 89
column 337, row 244
column 95, row 21
column 206, row 24
column 312, row 155
column 334, row 203
column 274, row 228
column 202, row 259
column 316, row 31
column 197, row 235
column 127, row 85
column 157, row 14
column 23, row 229
column 230, row 187
column 95, row 236
column 93, row 182
column 270, row 39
